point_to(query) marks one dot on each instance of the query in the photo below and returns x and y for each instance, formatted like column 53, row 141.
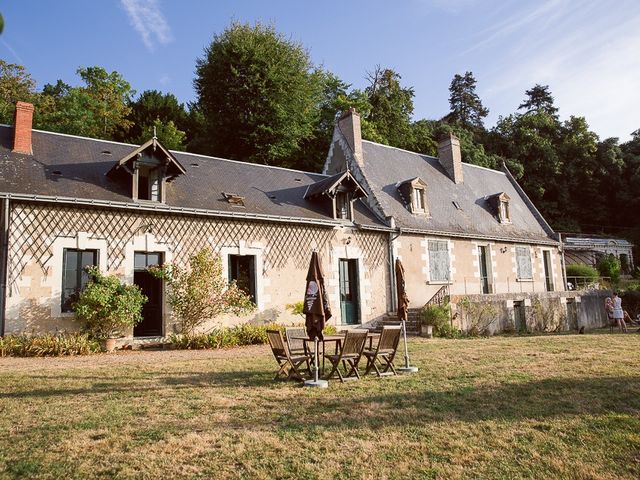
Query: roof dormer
column 500, row 206
column 414, row 193
column 341, row 189
column 149, row 168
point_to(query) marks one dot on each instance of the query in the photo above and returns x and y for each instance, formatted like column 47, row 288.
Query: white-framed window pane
column 523, row 259
column 439, row 270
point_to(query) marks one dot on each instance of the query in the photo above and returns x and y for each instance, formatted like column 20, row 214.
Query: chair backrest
column 389, row 338
column 295, row 344
column 276, row 342
column 354, row 342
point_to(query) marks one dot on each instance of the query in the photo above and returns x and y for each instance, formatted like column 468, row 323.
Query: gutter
column 149, row 207
column 4, row 257
column 440, row 233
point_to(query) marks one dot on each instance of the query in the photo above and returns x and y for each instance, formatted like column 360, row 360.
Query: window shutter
column 523, row 259
column 439, row 261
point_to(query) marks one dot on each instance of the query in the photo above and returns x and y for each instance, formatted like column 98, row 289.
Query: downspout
column 392, row 261
column 562, row 264
column 4, row 256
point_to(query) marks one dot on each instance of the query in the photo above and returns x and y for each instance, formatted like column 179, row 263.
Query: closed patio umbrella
column 403, row 307
column 317, row 311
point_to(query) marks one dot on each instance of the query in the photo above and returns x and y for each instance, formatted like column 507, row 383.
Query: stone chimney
column 22, row 130
column 349, row 126
column 450, row 157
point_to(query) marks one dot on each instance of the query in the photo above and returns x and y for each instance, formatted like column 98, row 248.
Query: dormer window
column 414, row 193
column 148, row 169
column 341, row 190
column 500, row 205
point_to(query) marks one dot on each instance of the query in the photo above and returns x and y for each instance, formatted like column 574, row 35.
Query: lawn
column 559, row 406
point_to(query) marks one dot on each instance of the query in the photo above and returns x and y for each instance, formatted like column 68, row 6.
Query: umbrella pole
column 316, row 382
column 407, row 368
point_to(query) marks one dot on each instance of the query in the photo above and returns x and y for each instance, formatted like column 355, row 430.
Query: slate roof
column 69, row 166
column 585, row 242
column 385, row 168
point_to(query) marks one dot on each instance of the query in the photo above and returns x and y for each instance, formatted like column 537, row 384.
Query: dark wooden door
column 151, row 324
column 546, row 257
column 349, row 307
column 484, row 269
column 519, row 317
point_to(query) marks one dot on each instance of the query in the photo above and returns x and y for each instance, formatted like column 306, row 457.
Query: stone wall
column 541, row 312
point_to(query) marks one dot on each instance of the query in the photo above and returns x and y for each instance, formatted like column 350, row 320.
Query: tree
column 201, row 293
column 466, row 106
column 98, row 109
column 166, row 132
column 16, row 84
column 391, row 107
column 151, row 106
column 259, row 95
column 539, row 98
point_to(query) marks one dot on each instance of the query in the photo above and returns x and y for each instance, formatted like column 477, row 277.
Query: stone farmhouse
column 462, row 231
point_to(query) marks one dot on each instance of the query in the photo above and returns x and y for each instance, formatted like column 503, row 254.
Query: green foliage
column 152, row 106
column 167, row 133
column 438, row 316
column 582, row 270
column 296, row 308
column 609, row 266
column 16, row 84
column 259, row 95
column 539, row 98
column 201, row 293
column 478, row 315
column 108, row 307
column 549, row 317
column 223, row 337
column 99, row 109
column 48, row 345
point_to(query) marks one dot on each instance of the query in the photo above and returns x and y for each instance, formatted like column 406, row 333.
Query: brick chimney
column 349, row 126
column 450, row 157
column 22, row 130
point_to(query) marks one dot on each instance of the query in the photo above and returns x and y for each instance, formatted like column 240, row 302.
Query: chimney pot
column 22, row 128
column 450, row 157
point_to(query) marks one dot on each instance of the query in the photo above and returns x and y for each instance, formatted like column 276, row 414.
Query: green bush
column 224, row 337
column 439, row 316
column 582, row 270
column 108, row 307
column 48, row 345
column 609, row 266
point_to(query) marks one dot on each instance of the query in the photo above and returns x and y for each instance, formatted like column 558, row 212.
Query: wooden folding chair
column 384, row 353
column 350, row 353
column 289, row 364
column 297, row 346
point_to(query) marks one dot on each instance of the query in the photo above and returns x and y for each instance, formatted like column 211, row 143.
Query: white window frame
column 520, row 278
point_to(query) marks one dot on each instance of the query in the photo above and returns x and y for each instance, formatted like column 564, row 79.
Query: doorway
column 572, row 314
column 483, row 256
column 151, row 324
column 548, row 277
column 349, row 307
column 519, row 318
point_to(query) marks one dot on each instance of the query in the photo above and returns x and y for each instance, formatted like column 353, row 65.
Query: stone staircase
column 391, row 318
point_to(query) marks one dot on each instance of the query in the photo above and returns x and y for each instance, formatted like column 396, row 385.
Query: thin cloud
column 12, row 51
column 147, row 19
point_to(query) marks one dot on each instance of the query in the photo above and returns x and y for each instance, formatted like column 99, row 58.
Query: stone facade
column 40, row 232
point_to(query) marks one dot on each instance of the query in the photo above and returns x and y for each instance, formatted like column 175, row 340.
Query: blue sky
column 588, row 51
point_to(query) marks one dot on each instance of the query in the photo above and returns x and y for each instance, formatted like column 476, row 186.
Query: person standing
column 618, row 313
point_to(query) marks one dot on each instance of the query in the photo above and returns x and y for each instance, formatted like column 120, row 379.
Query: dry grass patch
column 563, row 406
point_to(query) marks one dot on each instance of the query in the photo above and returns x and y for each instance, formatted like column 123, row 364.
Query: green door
column 349, row 292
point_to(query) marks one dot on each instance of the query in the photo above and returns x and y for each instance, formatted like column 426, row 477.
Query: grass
column 563, row 406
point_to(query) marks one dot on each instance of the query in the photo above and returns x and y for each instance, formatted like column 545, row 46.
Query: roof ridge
column 179, row 152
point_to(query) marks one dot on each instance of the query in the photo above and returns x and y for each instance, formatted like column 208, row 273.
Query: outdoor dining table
column 337, row 338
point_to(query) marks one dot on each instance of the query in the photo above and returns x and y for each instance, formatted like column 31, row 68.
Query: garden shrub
column 479, row 316
column 582, row 270
column 439, row 316
column 609, row 266
column 108, row 307
column 48, row 345
column 224, row 337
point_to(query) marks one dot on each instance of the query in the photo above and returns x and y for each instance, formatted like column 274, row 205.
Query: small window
column 439, row 265
column 242, row 270
column 417, row 200
column 343, row 207
column 523, row 260
column 75, row 276
column 505, row 216
column 144, row 260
